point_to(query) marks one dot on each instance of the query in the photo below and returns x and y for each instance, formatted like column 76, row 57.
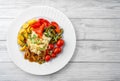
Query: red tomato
column 47, row 58
column 56, row 26
column 53, row 55
column 36, row 25
column 57, row 50
column 60, row 42
column 46, row 22
column 50, row 46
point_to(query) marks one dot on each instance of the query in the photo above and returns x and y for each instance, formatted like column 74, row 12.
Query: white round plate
column 54, row 65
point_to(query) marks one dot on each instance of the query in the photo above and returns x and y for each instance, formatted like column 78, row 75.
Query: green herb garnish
column 50, row 32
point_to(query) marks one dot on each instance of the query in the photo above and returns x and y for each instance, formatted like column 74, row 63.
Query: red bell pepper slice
column 35, row 25
column 46, row 22
column 39, row 30
column 57, row 28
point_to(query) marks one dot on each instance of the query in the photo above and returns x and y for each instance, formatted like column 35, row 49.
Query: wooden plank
column 86, row 29
column 72, row 72
column 72, row 8
column 97, row 51
column 86, row 51
column 97, row 29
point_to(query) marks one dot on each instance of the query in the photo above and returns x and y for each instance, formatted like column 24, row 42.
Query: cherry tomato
column 60, row 42
column 46, row 22
column 47, row 58
column 36, row 25
column 53, row 55
column 56, row 26
column 57, row 50
column 50, row 46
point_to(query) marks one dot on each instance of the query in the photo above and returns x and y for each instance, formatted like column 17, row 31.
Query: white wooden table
column 97, row 26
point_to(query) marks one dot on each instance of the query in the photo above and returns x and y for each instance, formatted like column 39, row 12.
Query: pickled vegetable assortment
column 41, row 40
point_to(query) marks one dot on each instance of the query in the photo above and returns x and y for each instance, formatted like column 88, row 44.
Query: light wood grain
column 72, row 72
column 72, row 8
column 97, row 29
column 86, row 51
column 86, row 29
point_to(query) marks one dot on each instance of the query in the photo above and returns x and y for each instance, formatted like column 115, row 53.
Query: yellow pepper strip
column 28, row 30
column 25, row 25
column 20, row 43
column 20, row 37
column 25, row 34
column 32, row 21
column 23, row 48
